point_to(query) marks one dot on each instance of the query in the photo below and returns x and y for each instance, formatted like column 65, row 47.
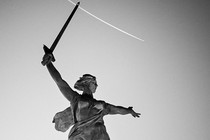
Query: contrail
column 107, row 22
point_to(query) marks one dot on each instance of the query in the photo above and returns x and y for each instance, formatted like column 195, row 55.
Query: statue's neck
column 87, row 95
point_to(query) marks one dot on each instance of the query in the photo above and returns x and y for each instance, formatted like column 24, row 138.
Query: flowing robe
column 86, row 116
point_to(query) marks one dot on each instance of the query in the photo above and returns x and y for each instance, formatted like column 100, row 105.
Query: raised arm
column 112, row 109
column 62, row 84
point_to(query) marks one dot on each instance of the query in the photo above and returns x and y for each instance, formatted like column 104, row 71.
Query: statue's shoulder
column 100, row 101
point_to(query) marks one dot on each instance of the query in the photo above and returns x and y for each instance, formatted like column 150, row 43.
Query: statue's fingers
column 138, row 114
column 44, row 62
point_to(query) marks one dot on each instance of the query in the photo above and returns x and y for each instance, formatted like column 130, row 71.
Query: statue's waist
column 80, row 126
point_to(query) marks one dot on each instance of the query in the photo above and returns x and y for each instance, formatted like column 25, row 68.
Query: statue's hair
column 84, row 81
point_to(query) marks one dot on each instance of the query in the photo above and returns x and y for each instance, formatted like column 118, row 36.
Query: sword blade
column 63, row 28
column 52, row 48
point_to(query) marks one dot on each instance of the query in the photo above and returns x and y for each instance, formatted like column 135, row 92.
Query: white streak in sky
column 107, row 23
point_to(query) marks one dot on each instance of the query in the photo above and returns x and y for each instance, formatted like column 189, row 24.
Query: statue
column 85, row 113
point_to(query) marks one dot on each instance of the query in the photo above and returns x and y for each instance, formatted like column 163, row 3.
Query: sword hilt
column 48, row 51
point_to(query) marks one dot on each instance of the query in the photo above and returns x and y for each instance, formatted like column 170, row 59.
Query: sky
column 166, row 78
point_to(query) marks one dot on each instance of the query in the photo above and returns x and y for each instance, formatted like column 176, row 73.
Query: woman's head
column 87, row 83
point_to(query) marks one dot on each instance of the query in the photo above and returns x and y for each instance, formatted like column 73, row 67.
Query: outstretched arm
column 62, row 84
column 112, row 109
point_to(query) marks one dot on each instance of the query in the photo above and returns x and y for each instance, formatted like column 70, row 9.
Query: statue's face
column 92, row 87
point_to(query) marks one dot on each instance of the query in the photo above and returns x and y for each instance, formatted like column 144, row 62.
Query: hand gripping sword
column 50, row 51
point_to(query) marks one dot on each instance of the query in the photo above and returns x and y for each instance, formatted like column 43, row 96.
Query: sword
column 52, row 48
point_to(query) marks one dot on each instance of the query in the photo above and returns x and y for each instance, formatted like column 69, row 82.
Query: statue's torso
column 87, row 108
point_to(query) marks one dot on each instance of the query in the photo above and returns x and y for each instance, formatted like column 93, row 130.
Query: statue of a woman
column 85, row 113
